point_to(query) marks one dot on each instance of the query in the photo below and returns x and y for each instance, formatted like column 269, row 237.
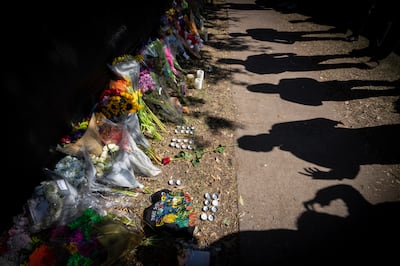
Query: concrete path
column 290, row 146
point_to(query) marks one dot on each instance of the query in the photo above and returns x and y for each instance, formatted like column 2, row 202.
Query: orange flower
column 42, row 255
column 121, row 85
column 192, row 219
column 187, row 196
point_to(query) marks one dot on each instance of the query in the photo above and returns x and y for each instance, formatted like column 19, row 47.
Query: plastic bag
column 132, row 124
column 122, row 174
column 140, row 162
column 53, row 203
column 130, row 159
column 127, row 68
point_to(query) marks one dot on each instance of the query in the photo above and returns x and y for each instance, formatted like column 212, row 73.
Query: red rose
column 165, row 160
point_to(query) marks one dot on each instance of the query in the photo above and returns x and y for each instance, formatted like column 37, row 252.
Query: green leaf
column 184, row 155
column 220, row 149
column 199, row 153
column 180, row 154
column 147, row 190
column 195, row 162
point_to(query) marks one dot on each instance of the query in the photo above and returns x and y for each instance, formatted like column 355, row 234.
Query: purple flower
column 146, row 82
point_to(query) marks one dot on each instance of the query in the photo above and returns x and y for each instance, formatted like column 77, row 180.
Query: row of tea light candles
column 198, row 80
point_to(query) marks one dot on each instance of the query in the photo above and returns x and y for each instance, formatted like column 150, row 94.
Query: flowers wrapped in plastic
column 168, row 35
column 127, row 68
column 89, row 139
column 119, row 100
column 53, row 203
column 133, row 82
column 134, row 127
column 114, row 154
column 165, row 79
column 129, row 160
column 160, row 59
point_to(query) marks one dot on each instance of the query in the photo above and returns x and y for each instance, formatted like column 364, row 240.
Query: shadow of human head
column 258, row 143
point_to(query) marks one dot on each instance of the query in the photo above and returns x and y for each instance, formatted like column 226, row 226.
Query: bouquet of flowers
column 87, row 138
column 127, row 67
column 54, row 202
column 119, row 100
column 136, row 81
column 127, row 160
column 165, row 71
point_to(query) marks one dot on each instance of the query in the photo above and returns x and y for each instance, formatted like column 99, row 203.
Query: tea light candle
column 198, row 83
column 190, row 80
column 190, row 77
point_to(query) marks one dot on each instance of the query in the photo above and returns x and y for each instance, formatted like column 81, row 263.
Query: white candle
column 200, row 74
column 198, row 83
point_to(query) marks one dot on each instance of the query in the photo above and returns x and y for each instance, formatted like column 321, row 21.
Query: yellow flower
column 169, row 218
column 72, row 248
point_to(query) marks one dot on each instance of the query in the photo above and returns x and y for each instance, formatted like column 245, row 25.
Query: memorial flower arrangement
column 119, row 100
column 137, row 80
column 89, row 239
column 77, row 131
column 61, row 223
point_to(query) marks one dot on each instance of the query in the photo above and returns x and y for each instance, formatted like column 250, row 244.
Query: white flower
column 72, row 168
column 112, row 147
column 103, row 163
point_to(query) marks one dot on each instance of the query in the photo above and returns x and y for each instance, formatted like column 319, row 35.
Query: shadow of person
column 365, row 234
column 321, row 142
column 309, row 91
column 368, row 228
column 281, row 62
column 286, row 37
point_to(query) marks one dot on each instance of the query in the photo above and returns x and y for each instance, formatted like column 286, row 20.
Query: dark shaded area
column 54, row 68
column 281, row 62
column 309, row 91
column 365, row 235
column 237, row 6
column 397, row 105
column 217, row 123
column 339, row 13
column 356, row 18
column 319, row 141
column 286, row 37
